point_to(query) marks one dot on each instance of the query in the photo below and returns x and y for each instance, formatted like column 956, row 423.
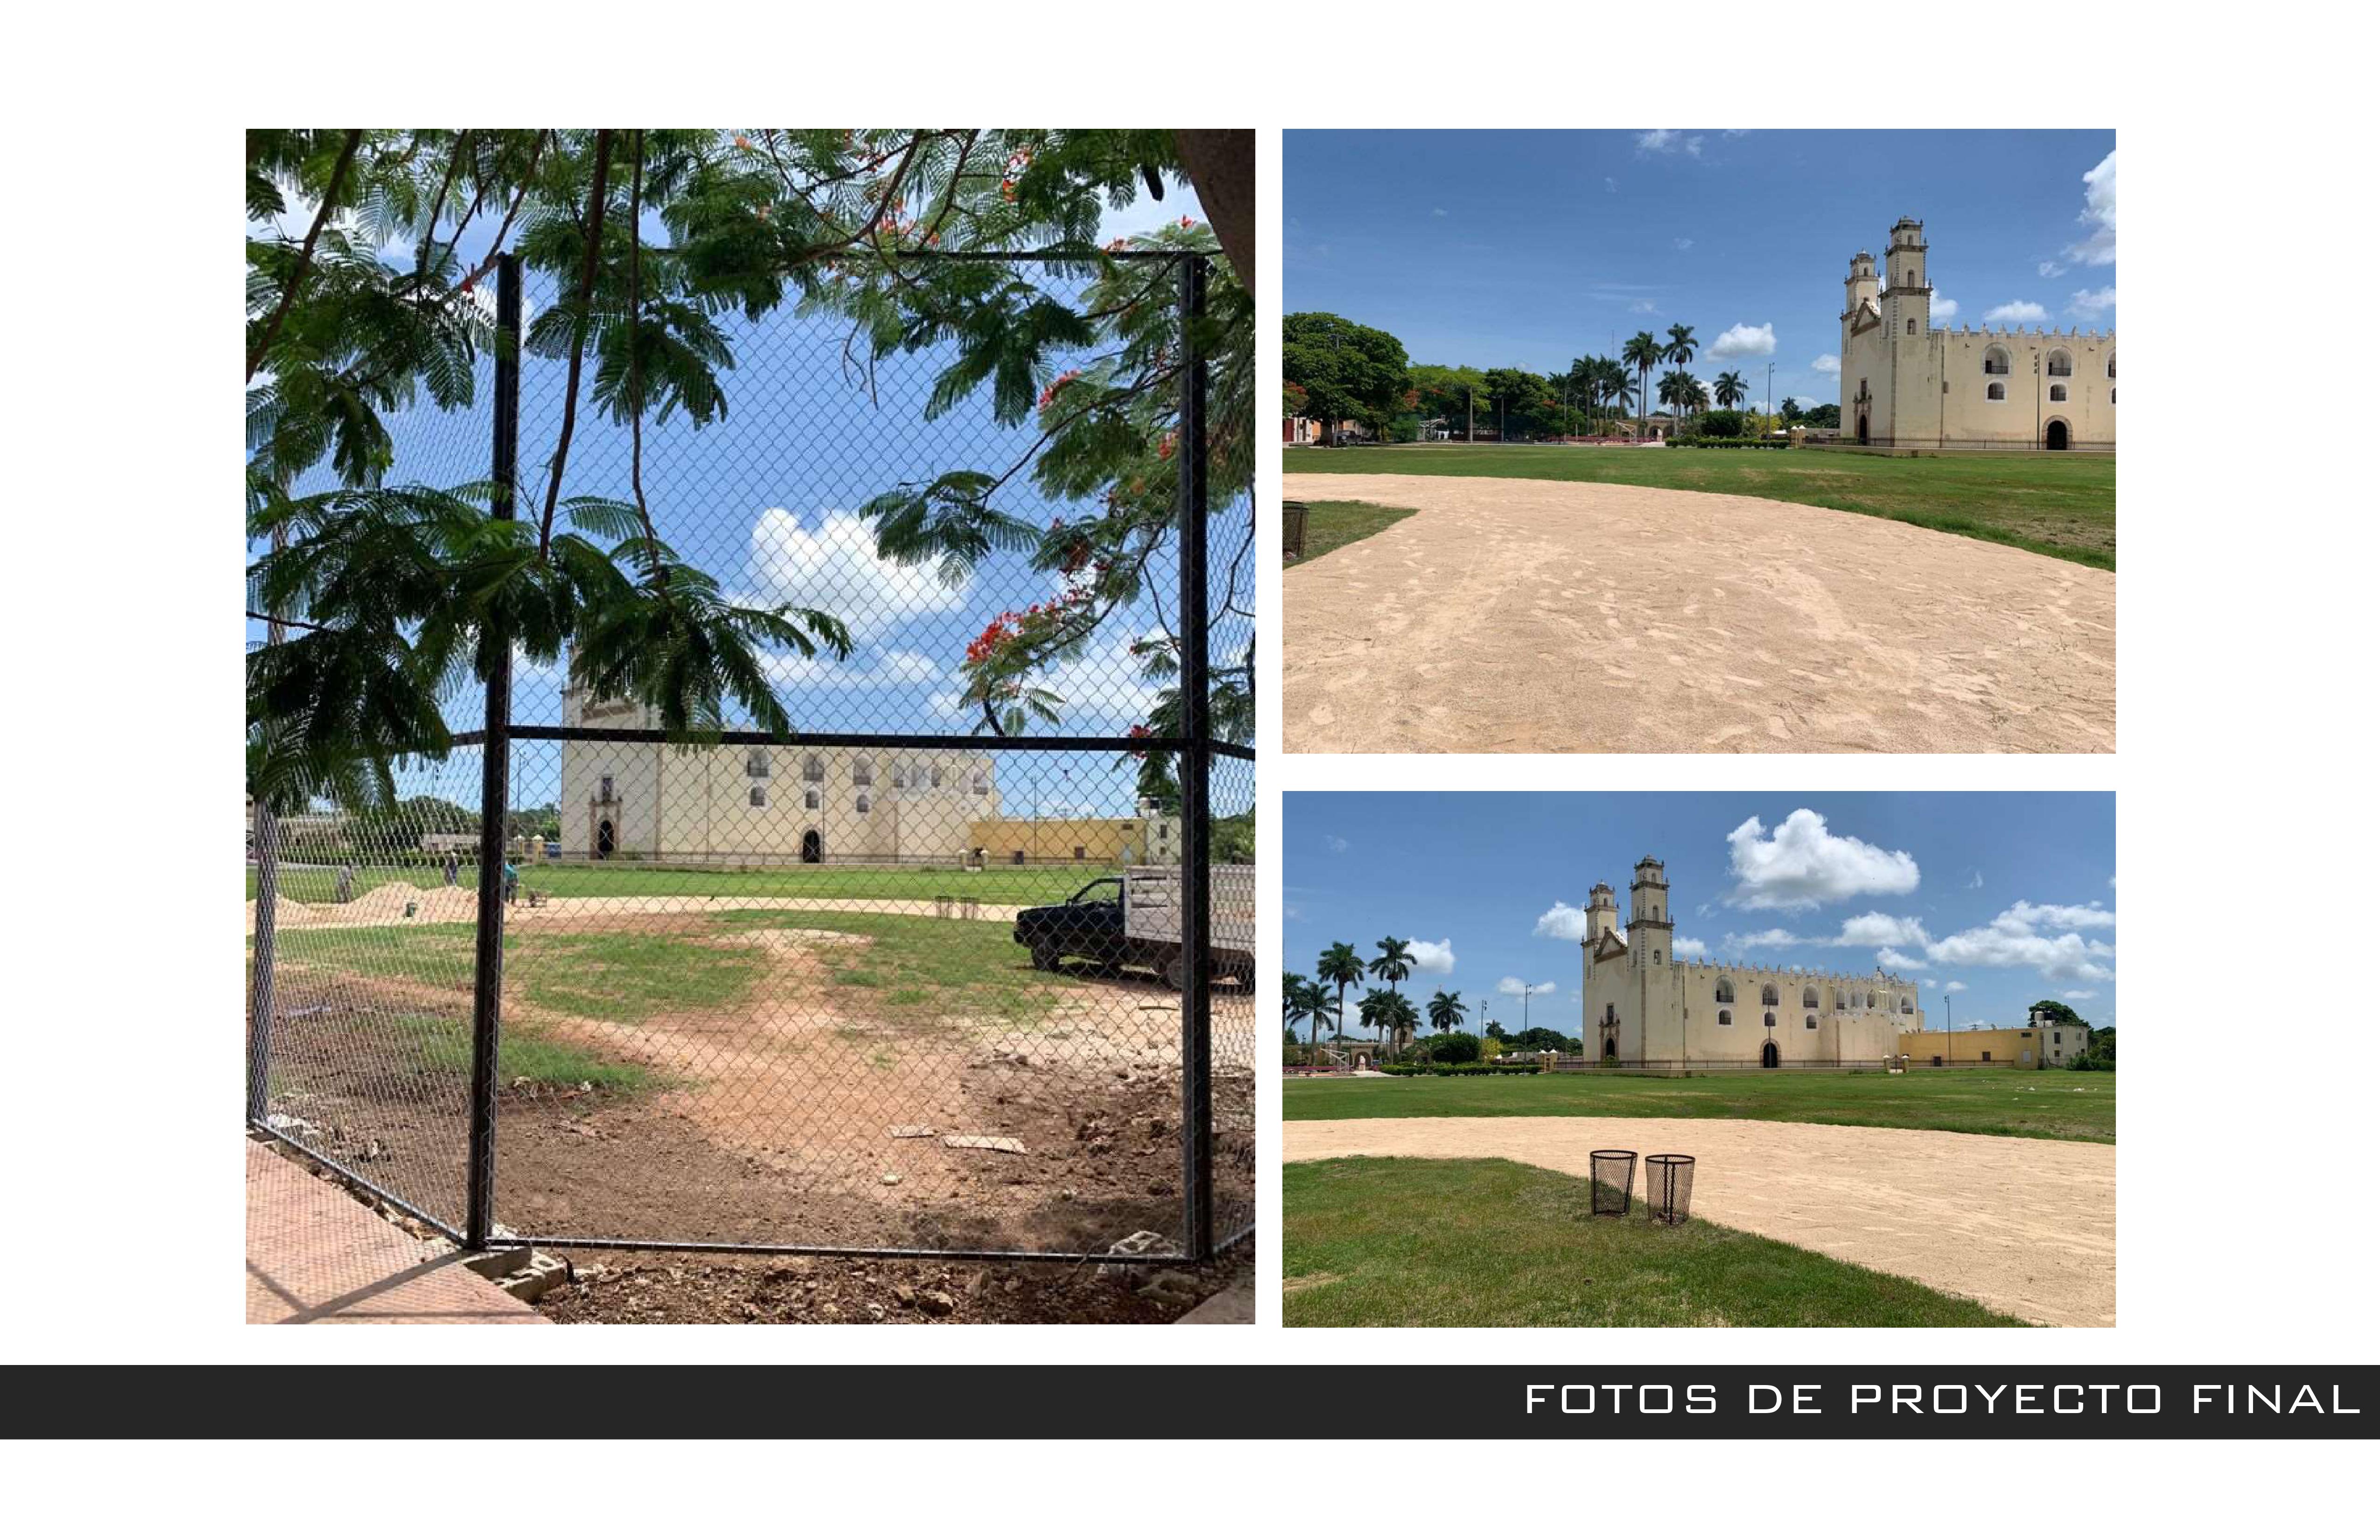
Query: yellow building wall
column 2020, row 1046
column 1092, row 841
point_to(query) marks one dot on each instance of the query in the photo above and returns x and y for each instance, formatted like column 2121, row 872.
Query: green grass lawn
column 1494, row 1242
column 1004, row 885
column 2038, row 1104
column 525, row 1052
column 917, row 972
column 2059, row 505
column 1330, row 526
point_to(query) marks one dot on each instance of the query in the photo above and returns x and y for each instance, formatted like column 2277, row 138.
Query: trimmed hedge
column 1458, row 1069
column 1695, row 440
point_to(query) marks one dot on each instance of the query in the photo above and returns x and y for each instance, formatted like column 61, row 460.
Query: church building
column 1642, row 1004
column 1908, row 386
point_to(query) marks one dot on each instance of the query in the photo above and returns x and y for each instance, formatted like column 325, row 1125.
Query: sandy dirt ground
column 386, row 905
column 2026, row 1226
column 1553, row 617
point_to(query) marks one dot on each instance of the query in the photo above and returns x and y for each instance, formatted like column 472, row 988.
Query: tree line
column 1394, row 1021
column 1336, row 370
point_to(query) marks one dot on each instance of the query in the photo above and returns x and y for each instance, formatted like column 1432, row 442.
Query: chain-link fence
column 917, row 976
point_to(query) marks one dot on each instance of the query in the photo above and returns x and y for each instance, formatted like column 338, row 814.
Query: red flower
column 1186, row 222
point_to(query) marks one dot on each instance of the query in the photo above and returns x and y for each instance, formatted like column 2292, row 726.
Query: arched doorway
column 1862, row 432
column 1768, row 1054
column 2054, row 436
column 813, row 851
column 605, row 843
column 1611, row 1048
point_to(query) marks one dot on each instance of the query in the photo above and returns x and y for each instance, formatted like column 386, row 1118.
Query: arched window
column 937, row 773
column 1724, row 994
column 1913, row 326
column 1810, row 998
column 1727, row 1018
column 1768, row 994
column 864, row 801
column 1871, row 1000
column 900, row 776
column 1811, row 1023
column 1996, row 391
column 813, row 768
column 2061, row 365
column 982, row 786
column 1995, row 361
column 760, row 796
column 1839, row 1001
column 1907, row 1006
column 2057, row 392
column 756, row 764
column 2111, row 367
column 810, row 798
column 2111, row 395
column 863, row 772
column 1768, row 1018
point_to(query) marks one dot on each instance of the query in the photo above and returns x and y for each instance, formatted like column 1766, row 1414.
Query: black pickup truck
column 1090, row 925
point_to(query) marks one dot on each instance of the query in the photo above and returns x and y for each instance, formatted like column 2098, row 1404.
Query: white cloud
column 1945, row 309
column 1926, row 983
column 1438, row 213
column 2094, row 302
column 1431, row 956
column 1899, row 961
column 2017, row 312
column 2012, row 940
column 2080, row 994
column 1657, row 141
column 791, row 671
column 832, row 565
column 1334, row 844
column 2097, row 248
column 1610, row 185
column 1563, row 922
column 1977, row 880
column 2073, row 916
column 1686, row 946
column 1694, row 145
column 1954, row 988
column 1879, row 930
column 1826, row 363
column 1739, row 341
column 1508, row 985
column 1143, row 214
column 1683, row 243
column 1758, row 938
column 1801, row 865
column 2051, row 270
column 1641, row 306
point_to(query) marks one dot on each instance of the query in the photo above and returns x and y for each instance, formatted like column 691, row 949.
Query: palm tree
column 1787, row 407
column 1643, row 354
column 1446, row 1011
column 1293, row 1009
column 1377, row 1010
column 1395, row 964
column 1730, row 388
column 1612, row 375
column 1681, row 350
column 1340, row 965
column 1315, row 1001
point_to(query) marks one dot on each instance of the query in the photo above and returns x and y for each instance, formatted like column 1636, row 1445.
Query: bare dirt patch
column 1552, row 616
column 2026, row 1226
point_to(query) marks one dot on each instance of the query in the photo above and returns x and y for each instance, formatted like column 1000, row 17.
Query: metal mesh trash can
column 1669, row 1187
column 1615, row 1182
column 1293, row 530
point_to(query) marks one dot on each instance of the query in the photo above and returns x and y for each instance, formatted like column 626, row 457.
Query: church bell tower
column 1908, row 296
column 1648, row 917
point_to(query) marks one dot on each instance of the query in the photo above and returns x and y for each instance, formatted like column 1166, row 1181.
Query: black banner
column 1280, row 1402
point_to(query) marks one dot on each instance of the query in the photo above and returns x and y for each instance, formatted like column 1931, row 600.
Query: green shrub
column 1723, row 424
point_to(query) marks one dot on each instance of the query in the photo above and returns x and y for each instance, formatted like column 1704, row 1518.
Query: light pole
column 1948, row 1052
column 1772, row 389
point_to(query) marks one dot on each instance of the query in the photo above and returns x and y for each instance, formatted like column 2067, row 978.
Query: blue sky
column 766, row 500
column 1530, row 248
column 1997, row 899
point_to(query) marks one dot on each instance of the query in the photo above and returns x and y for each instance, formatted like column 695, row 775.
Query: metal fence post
column 495, row 762
column 1197, row 1087
column 267, row 830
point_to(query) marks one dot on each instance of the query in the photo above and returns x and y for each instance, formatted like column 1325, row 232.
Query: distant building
column 2041, row 1043
column 1148, row 838
column 737, row 805
column 1643, row 1004
column 1906, row 385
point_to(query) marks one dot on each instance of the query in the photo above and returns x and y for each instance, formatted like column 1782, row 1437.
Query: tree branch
column 306, row 252
column 595, row 197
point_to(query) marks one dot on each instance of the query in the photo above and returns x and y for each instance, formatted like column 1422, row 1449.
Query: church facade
column 763, row 806
column 1640, row 1003
column 1909, row 385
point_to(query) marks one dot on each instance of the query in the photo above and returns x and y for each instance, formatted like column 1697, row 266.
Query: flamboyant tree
column 368, row 294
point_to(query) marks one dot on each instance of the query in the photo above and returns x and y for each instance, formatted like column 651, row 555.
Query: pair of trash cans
column 1669, row 1185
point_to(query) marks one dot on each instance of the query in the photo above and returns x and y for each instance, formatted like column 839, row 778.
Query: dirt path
column 385, row 904
column 2026, row 1226
column 1557, row 616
